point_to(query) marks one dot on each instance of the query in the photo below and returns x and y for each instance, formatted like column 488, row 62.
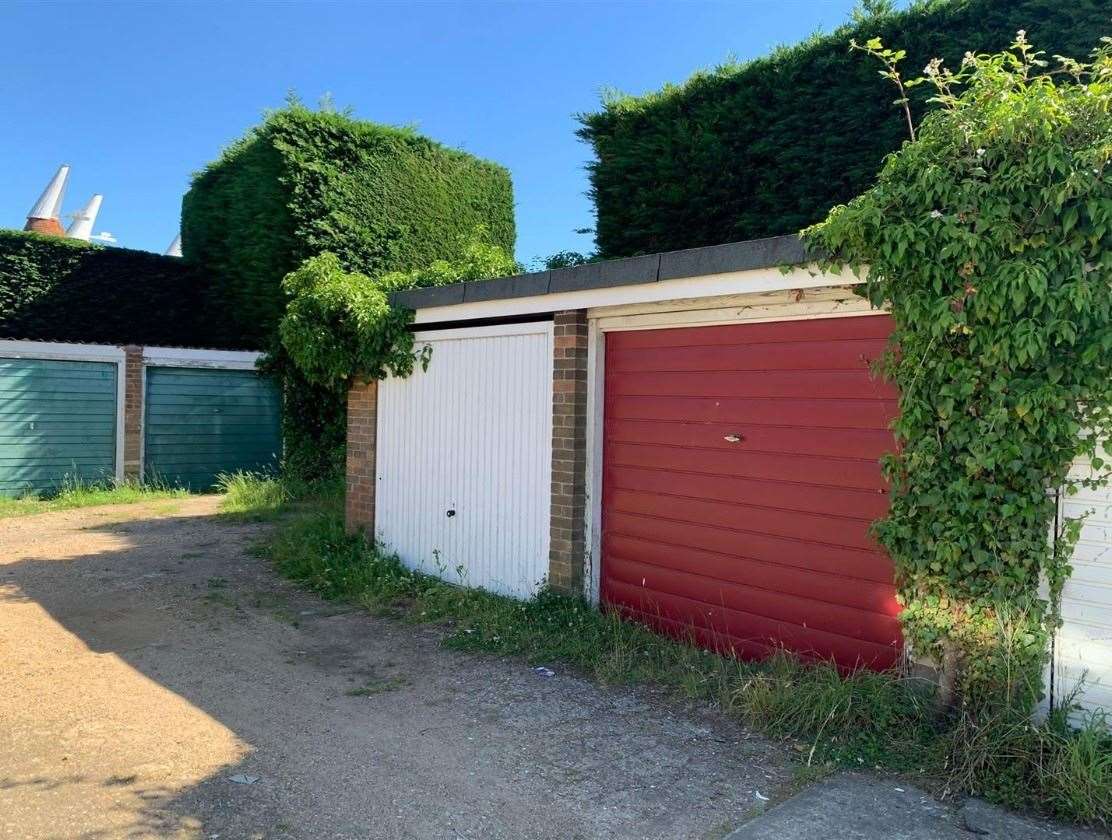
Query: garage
column 58, row 416
column 714, row 441
column 712, row 430
column 740, row 476
column 203, row 421
column 463, row 469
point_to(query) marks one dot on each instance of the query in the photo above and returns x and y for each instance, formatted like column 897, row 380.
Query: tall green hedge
column 769, row 146
column 305, row 182
column 54, row 289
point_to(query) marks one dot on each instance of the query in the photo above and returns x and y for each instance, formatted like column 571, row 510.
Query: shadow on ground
column 160, row 680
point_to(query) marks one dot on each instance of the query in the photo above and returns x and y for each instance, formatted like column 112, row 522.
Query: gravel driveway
column 159, row 680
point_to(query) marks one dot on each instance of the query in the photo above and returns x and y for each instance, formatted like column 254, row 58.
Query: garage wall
column 464, row 458
column 1083, row 646
column 79, row 411
column 61, row 414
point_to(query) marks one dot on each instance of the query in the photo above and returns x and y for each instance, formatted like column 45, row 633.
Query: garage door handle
column 451, row 512
column 732, row 438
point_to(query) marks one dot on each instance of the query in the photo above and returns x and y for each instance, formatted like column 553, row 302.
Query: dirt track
column 147, row 658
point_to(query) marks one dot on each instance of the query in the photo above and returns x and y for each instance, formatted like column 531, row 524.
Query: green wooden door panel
column 202, row 422
column 57, row 423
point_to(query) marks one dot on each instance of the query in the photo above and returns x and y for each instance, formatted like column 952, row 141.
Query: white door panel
column 465, row 457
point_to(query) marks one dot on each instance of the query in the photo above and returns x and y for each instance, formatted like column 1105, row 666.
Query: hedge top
column 767, row 147
column 56, row 289
column 309, row 181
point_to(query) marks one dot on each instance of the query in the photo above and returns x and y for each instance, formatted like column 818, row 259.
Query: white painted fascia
column 121, row 404
column 709, row 285
column 183, row 357
column 58, row 351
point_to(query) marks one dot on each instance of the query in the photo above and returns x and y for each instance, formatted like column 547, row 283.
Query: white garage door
column 464, row 458
column 1083, row 647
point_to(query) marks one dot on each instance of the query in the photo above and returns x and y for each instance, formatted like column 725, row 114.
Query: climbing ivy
column 339, row 325
column 989, row 238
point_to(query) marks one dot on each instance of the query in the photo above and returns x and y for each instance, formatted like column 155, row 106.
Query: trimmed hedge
column 54, row 289
column 305, row 182
column 769, row 146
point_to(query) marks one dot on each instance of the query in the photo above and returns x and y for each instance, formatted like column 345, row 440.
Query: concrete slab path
column 854, row 806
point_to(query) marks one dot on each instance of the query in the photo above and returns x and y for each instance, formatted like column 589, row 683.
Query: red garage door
column 740, row 478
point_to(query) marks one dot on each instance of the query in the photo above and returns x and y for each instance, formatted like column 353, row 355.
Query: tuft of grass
column 75, row 492
column 261, row 496
column 1049, row 766
column 832, row 719
column 1076, row 770
column 863, row 718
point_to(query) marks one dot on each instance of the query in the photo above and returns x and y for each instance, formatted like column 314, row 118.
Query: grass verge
column 882, row 721
column 76, row 493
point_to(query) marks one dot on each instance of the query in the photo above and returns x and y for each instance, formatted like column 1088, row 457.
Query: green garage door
column 201, row 422
column 57, row 422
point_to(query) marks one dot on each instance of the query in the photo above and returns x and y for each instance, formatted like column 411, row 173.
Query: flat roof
column 752, row 254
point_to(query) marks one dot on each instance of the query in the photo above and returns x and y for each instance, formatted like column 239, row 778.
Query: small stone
column 243, row 779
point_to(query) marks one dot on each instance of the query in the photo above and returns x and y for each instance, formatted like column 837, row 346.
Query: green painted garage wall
column 201, row 422
column 57, row 421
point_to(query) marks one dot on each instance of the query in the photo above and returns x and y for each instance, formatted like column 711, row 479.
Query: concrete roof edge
column 751, row 254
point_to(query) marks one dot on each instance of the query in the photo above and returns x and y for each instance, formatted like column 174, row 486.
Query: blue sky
column 136, row 96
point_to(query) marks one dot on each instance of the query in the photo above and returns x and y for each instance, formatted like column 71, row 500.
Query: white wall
column 1083, row 646
column 471, row 434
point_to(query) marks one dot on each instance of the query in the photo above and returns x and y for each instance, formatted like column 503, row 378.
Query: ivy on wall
column 768, row 146
column 990, row 239
column 340, row 325
column 55, row 289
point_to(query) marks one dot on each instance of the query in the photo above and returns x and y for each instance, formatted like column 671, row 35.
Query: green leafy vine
column 339, row 324
column 989, row 239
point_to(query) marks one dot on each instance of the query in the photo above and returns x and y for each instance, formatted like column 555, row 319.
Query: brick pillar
column 569, row 452
column 133, row 410
column 362, row 429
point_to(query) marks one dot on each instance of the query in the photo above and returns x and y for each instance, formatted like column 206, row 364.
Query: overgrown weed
column 262, row 496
